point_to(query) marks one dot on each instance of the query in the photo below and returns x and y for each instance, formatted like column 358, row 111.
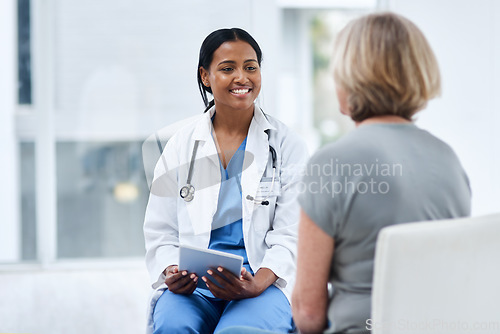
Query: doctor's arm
column 161, row 231
column 161, row 237
column 310, row 295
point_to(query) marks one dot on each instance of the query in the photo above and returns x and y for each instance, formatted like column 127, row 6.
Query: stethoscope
column 187, row 191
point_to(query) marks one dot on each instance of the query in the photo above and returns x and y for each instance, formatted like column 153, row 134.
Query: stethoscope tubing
column 191, row 164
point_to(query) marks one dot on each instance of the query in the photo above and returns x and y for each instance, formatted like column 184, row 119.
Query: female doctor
column 227, row 181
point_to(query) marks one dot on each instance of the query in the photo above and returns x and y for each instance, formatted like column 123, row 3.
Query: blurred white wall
column 126, row 67
column 465, row 35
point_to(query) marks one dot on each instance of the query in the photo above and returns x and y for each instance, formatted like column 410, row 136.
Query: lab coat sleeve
column 161, row 231
column 281, row 239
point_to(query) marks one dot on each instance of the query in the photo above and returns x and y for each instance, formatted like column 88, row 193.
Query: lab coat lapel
column 204, row 204
column 203, row 133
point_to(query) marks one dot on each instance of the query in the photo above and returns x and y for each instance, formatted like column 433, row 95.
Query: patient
column 385, row 172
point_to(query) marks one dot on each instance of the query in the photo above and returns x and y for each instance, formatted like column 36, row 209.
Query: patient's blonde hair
column 386, row 66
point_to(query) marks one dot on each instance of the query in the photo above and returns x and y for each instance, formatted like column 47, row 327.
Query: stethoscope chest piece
column 187, row 193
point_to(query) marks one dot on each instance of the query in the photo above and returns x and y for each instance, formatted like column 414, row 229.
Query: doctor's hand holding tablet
column 221, row 273
column 228, row 286
column 180, row 282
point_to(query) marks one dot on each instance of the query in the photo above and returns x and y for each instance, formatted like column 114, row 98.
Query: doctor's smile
column 240, row 91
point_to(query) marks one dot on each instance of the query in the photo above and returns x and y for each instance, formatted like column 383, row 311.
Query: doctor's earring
column 207, row 84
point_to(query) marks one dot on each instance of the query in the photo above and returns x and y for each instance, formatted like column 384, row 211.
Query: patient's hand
column 180, row 282
column 233, row 287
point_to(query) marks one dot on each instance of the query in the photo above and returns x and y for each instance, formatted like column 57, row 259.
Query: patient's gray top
column 377, row 175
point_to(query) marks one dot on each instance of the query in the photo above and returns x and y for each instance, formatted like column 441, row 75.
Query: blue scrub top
column 227, row 224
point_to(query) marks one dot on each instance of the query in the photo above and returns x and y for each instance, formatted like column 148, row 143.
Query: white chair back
column 438, row 277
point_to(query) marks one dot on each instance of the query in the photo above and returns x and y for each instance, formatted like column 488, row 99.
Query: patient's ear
column 343, row 99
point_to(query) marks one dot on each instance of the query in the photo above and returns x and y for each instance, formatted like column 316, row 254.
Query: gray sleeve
column 317, row 197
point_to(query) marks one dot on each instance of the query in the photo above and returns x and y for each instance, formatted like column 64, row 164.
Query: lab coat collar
column 203, row 130
column 256, row 143
column 261, row 119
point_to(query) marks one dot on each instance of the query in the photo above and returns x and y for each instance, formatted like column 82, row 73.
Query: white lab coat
column 270, row 232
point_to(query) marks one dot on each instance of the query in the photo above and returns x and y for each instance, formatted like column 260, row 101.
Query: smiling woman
column 233, row 76
column 246, row 211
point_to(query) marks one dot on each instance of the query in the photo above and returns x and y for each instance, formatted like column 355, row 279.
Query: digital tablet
column 199, row 260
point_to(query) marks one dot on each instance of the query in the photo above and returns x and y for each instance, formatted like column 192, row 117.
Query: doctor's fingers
column 218, row 292
column 223, row 292
column 227, row 274
column 246, row 275
column 180, row 279
column 183, row 286
column 185, row 290
column 188, row 288
column 226, row 279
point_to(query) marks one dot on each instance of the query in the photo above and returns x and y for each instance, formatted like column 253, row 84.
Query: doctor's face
column 234, row 76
